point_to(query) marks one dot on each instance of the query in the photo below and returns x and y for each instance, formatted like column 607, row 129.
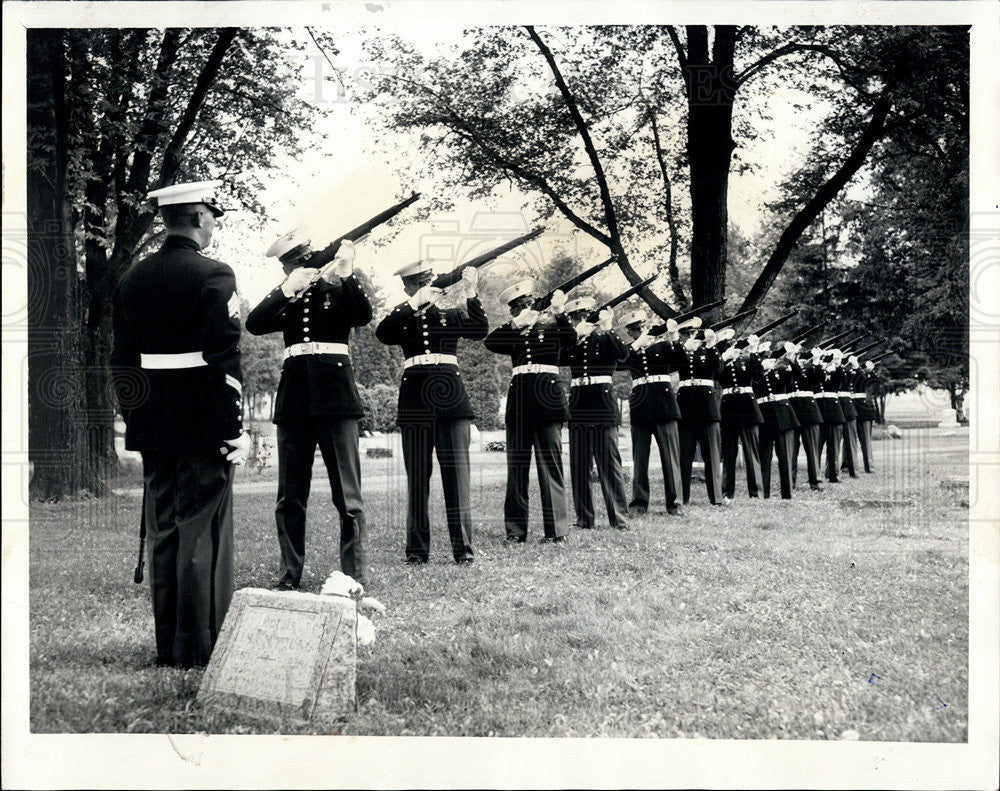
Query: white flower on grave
column 366, row 631
column 339, row 584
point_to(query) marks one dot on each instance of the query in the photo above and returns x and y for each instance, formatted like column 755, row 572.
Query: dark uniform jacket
column 654, row 402
column 828, row 382
column 315, row 385
column 178, row 301
column 846, row 402
column 740, row 410
column 596, row 355
column 429, row 392
column 862, row 399
column 534, row 397
column 698, row 403
column 779, row 415
column 806, row 410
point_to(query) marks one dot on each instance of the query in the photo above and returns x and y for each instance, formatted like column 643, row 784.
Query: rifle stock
column 452, row 277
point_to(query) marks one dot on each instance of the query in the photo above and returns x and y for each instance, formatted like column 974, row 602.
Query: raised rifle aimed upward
column 869, row 347
column 834, row 338
column 806, row 333
column 452, row 277
column 732, row 320
column 546, row 299
column 766, row 328
column 614, row 302
column 659, row 329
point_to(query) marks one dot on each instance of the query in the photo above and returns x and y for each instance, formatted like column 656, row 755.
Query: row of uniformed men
column 176, row 365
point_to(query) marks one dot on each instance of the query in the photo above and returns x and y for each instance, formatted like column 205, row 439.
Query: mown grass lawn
column 760, row 620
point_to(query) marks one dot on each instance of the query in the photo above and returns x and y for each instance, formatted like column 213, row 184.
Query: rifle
column 325, row 259
column 659, row 329
column 542, row 302
column 767, row 328
column 613, row 303
column 738, row 317
column 806, row 333
column 879, row 356
column 452, row 277
column 869, row 347
column 834, row 338
column 137, row 576
column 846, row 347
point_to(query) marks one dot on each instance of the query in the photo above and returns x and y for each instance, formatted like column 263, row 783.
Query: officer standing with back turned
column 176, row 370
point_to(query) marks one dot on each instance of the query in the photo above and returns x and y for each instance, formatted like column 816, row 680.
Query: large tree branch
column 681, row 57
column 675, row 278
column 823, row 196
column 207, row 76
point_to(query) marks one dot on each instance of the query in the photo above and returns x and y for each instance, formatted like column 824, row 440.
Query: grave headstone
column 948, row 419
column 285, row 655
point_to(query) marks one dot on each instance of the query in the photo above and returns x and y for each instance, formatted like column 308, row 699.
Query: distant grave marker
column 285, row 655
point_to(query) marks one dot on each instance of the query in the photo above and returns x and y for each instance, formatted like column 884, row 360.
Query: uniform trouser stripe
column 546, row 441
column 810, row 438
column 338, row 442
column 189, row 524
column 708, row 436
column 781, row 443
column 749, row 438
column 598, row 444
column 668, row 442
column 449, row 439
column 865, row 441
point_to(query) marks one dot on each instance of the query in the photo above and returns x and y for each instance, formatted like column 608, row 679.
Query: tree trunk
column 55, row 397
column 711, row 87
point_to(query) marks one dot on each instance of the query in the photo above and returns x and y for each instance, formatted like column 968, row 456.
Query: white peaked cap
column 522, row 288
column 416, row 268
column 632, row 317
column 580, row 303
column 192, row 192
column 690, row 324
column 287, row 243
column 791, row 348
column 724, row 334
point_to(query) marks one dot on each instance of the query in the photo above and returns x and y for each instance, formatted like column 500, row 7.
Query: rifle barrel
column 452, row 277
column 546, row 299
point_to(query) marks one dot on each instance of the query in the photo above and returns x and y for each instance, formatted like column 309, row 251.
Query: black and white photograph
column 425, row 394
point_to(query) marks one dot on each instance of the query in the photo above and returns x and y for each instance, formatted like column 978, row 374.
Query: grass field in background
column 764, row 619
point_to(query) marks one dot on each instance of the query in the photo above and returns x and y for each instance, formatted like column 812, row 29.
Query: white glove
column 298, row 281
column 345, row 259
column 853, row 361
column 583, row 329
column 470, row 281
column 869, row 365
column 710, row 339
column 605, row 319
column 692, row 343
column 730, row 354
column 525, row 318
column 426, row 295
column 644, row 341
column 768, row 363
column 236, row 449
column 558, row 303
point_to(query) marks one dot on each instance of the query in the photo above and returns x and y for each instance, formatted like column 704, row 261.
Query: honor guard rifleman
column 433, row 411
column 700, row 416
column 536, row 408
column 176, row 368
column 778, row 429
column 851, row 444
column 317, row 401
column 863, row 379
column 827, row 386
column 593, row 414
column 653, row 410
column 741, row 416
column 803, row 402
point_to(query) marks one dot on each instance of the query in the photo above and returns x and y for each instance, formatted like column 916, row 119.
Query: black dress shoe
column 514, row 540
column 674, row 510
column 622, row 526
column 636, row 510
column 463, row 561
column 585, row 527
column 552, row 540
column 816, row 487
column 284, row 585
column 413, row 560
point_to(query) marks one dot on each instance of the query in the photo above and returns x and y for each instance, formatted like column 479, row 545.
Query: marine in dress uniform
column 740, row 416
column 653, row 410
column 827, row 394
column 700, row 417
column 863, row 376
column 803, row 401
column 852, row 451
column 594, row 415
column 535, row 408
column 772, row 388
column 317, row 401
column 176, row 369
column 433, row 411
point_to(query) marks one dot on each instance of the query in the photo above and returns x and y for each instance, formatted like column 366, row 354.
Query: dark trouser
column 708, row 435
column 668, row 441
column 597, row 443
column 811, row 439
column 450, row 439
column 830, row 437
column 189, row 526
column 748, row 437
column 546, row 440
column 781, row 442
column 338, row 442
column 852, row 453
column 865, row 441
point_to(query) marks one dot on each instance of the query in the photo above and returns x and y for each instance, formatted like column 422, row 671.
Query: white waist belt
column 590, row 380
column 770, row 398
column 697, row 383
column 734, row 390
column 861, row 396
column 183, row 360
column 535, row 368
column 845, row 394
column 651, row 379
column 802, row 394
column 825, row 395
column 315, row 347
column 430, row 358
